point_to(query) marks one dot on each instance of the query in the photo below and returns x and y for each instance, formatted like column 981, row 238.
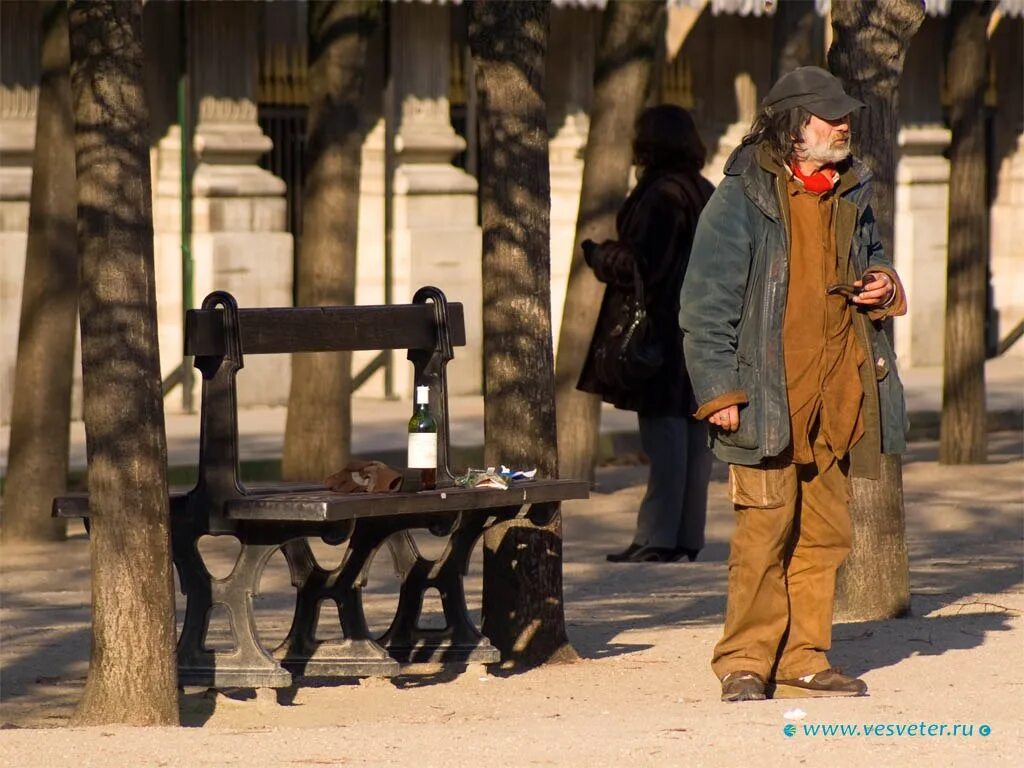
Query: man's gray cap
column 816, row 90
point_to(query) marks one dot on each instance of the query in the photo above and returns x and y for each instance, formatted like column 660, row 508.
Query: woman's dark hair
column 666, row 138
column 780, row 131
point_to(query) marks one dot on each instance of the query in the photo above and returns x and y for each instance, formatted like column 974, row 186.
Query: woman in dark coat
column 655, row 231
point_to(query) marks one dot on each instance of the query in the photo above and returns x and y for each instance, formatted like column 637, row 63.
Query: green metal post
column 389, row 189
column 185, row 132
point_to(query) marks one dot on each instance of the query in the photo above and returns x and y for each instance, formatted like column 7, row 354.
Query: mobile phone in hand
column 844, row 289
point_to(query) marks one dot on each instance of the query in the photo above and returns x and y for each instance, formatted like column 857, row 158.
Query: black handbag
column 629, row 354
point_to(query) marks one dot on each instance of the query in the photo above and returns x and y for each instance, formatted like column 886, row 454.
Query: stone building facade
column 239, row 71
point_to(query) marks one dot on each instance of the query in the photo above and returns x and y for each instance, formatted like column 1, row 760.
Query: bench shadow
column 197, row 707
column 410, row 678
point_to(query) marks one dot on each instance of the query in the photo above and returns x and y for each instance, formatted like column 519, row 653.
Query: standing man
column 781, row 312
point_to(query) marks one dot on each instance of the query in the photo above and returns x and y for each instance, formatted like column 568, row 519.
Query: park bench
column 270, row 517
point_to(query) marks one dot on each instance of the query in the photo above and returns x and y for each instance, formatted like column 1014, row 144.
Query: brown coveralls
column 792, row 522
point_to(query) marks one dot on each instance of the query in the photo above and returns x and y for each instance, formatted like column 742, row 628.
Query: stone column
column 240, row 241
column 167, row 258
column 19, row 91
column 162, row 69
column 1007, row 223
column 745, row 92
column 570, row 86
column 435, row 237
column 922, row 210
column 737, row 78
column 372, row 240
column 1007, row 246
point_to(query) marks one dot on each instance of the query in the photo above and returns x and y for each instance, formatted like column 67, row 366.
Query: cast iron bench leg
column 356, row 655
column 459, row 641
column 248, row 665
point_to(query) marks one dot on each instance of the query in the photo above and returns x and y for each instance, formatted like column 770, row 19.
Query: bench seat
column 327, row 506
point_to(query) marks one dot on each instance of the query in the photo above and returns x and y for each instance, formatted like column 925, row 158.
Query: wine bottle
column 423, row 440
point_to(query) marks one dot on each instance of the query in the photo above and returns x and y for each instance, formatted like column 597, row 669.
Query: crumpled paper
column 513, row 475
column 491, row 478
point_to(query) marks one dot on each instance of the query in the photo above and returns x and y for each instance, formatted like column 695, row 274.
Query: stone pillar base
column 436, row 242
column 167, row 259
column 435, row 237
column 922, row 209
column 17, row 138
column 730, row 138
column 1007, row 247
column 566, row 184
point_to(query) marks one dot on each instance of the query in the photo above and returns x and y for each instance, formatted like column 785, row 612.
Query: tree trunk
column 318, row 431
column 523, row 613
column 874, row 582
column 796, row 37
column 132, row 675
column 38, row 466
column 869, row 46
column 962, row 433
column 622, row 74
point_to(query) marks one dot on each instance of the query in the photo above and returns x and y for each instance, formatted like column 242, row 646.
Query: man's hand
column 878, row 290
column 727, row 418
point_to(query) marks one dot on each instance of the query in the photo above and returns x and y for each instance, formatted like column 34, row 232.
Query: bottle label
column 423, row 450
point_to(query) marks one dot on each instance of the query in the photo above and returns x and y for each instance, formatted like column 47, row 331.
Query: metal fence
column 285, row 124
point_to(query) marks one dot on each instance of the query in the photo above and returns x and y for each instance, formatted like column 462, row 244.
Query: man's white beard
column 822, row 153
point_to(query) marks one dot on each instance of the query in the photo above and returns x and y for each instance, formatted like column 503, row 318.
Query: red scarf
column 820, row 181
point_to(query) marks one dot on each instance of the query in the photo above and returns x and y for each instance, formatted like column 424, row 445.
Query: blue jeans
column 674, row 509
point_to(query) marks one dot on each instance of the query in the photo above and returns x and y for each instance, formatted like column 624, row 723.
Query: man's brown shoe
column 742, row 686
column 830, row 682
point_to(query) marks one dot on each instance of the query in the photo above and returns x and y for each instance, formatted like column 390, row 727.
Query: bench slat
column 322, row 329
column 325, row 506
column 74, row 505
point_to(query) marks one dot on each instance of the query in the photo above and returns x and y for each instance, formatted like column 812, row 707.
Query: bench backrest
column 321, row 329
column 219, row 335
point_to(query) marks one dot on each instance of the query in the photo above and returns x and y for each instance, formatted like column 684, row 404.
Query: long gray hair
column 780, row 130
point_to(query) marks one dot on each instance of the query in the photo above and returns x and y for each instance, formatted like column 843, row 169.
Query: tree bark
column 869, row 45
column 962, row 434
column 622, row 76
column 796, row 37
column 318, row 437
column 132, row 675
column 523, row 612
column 38, row 466
column 874, row 582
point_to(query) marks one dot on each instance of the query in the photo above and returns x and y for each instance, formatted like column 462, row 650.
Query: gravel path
column 642, row 693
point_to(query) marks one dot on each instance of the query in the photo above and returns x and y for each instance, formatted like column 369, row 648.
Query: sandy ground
column 642, row 693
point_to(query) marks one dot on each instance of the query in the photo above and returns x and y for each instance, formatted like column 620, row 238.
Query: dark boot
column 652, row 555
column 624, row 555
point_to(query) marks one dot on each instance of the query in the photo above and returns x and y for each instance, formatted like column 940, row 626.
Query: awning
column 1011, row 8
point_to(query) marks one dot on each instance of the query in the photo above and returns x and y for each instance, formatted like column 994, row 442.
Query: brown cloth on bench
column 365, row 477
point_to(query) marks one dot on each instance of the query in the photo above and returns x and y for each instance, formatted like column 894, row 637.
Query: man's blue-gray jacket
column 733, row 302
